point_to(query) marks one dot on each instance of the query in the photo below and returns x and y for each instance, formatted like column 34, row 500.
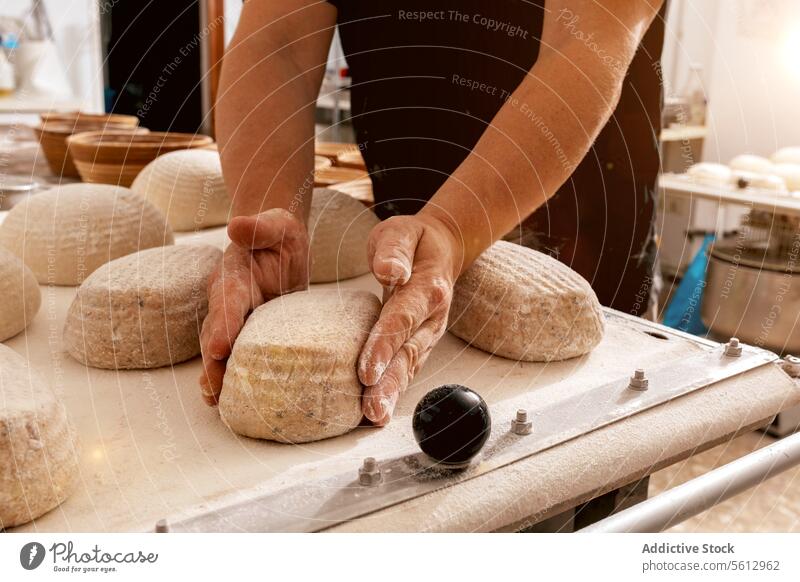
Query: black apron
column 428, row 76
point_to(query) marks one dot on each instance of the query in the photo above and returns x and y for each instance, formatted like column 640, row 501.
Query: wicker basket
column 112, row 157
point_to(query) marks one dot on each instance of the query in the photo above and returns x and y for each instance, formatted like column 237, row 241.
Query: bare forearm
column 546, row 126
column 265, row 112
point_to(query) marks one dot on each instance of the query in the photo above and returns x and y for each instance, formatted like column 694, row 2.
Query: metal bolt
column 369, row 474
column 639, row 381
column 520, row 424
column 733, row 349
column 162, row 526
column 791, row 365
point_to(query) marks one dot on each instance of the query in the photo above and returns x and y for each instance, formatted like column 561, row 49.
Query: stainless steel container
column 753, row 293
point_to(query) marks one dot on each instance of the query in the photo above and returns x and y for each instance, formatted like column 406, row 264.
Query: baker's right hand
column 267, row 257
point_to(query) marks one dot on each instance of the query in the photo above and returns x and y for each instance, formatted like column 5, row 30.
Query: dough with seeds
column 292, row 374
column 144, row 310
column 524, row 305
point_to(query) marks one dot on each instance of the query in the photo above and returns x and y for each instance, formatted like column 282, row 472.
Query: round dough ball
column 187, row 186
column 789, row 155
column 292, row 374
column 711, row 174
column 769, row 182
column 38, row 446
column 65, row 233
column 339, row 227
column 144, row 310
column 20, row 293
column 790, row 174
column 751, row 163
column 524, row 305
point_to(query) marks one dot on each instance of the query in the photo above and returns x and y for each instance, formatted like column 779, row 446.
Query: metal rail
column 698, row 495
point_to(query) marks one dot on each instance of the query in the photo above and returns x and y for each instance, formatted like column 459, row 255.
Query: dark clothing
column 416, row 119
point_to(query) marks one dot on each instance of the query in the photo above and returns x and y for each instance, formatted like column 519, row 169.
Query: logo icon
column 31, row 555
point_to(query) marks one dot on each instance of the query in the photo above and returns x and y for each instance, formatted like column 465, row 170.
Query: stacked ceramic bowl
column 54, row 130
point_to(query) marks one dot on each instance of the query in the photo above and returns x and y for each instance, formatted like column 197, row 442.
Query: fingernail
column 399, row 272
column 386, row 407
column 373, row 373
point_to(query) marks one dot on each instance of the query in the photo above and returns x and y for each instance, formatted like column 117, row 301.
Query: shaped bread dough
column 187, row 186
column 760, row 181
column 20, row 294
column 751, row 163
column 65, row 233
column 790, row 174
column 142, row 311
column 524, row 305
column 292, row 374
column 38, row 446
column 788, row 155
column 711, row 174
column 339, row 227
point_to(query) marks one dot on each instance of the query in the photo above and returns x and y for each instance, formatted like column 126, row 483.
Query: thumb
column 391, row 249
column 266, row 230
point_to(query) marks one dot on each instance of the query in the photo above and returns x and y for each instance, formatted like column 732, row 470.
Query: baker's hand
column 416, row 259
column 267, row 257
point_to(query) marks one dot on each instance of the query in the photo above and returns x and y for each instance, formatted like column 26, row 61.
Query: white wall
column 754, row 92
column 76, row 30
column 688, row 38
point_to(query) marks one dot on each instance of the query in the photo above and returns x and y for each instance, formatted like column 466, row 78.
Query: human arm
column 269, row 83
column 533, row 144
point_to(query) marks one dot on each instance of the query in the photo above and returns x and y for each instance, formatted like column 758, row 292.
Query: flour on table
column 20, row 294
column 65, row 233
column 144, row 310
column 187, row 186
column 339, row 227
column 524, row 305
column 292, row 374
column 38, row 445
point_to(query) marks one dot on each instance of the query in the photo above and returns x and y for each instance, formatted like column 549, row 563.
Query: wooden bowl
column 114, row 157
column 53, row 136
column 98, row 120
column 351, row 159
column 321, row 162
column 337, row 175
column 361, row 190
column 333, row 149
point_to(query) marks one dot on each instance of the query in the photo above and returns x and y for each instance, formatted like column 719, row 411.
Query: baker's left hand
column 417, row 260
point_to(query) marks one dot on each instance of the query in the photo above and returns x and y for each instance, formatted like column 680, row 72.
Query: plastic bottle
column 696, row 95
column 7, row 80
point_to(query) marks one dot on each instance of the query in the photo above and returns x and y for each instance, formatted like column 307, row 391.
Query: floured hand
column 267, row 257
column 416, row 259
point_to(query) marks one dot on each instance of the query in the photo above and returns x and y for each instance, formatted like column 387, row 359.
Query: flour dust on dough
column 187, row 186
column 142, row 311
column 339, row 227
column 65, row 233
column 521, row 304
column 20, row 294
column 292, row 374
column 38, row 444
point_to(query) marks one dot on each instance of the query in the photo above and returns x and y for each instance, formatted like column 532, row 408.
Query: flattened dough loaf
column 524, row 305
column 142, row 311
column 339, row 227
column 187, row 186
column 65, row 233
column 292, row 374
column 20, row 294
column 38, row 446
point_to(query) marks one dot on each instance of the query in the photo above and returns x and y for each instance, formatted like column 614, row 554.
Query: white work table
column 682, row 185
column 152, row 449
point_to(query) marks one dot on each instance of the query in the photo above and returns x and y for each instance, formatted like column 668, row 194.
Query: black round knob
column 451, row 424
